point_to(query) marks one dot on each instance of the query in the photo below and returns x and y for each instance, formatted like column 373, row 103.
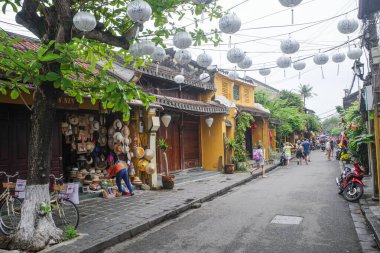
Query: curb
column 371, row 219
column 155, row 220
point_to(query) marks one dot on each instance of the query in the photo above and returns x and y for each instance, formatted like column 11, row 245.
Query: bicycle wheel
column 10, row 215
column 65, row 213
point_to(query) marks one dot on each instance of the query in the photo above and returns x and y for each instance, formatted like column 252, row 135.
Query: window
column 236, row 92
column 246, row 95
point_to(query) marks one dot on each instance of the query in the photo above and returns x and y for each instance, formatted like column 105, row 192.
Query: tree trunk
column 166, row 163
column 37, row 231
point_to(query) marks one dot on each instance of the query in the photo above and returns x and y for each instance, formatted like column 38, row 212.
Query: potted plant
column 167, row 179
column 229, row 167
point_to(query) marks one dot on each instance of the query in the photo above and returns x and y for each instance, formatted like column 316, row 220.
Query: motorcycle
column 323, row 146
column 317, row 146
column 350, row 183
column 337, row 153
column 283, row 159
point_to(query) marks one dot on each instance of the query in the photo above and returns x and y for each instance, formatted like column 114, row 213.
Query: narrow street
column 241, row 220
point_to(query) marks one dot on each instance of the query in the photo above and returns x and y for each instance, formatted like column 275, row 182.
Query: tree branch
column 29, row 18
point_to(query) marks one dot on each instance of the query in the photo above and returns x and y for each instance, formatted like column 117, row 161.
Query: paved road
column 241, row 220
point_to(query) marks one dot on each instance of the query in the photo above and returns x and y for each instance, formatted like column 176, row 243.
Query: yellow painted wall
column 213, row 143
column 274, row 134
column 260, row 134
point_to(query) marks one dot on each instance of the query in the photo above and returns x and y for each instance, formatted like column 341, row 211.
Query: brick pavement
column 105, row 222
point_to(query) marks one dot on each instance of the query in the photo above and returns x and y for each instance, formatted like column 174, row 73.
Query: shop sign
column 67, row 103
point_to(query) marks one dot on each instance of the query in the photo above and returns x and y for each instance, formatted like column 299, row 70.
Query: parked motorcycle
column 350, row 183
column 323, row 146
column 337, row 153
column 317, row 146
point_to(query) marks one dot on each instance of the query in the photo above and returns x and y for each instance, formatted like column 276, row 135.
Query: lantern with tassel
column 147, row 47
column 235, row 55
column 284, row 62
column 299, row 65
column 209, row 122
column 354, row 53
column 139, row 11
column 348, row 25
column 158, row 55
column 84, row 21
column 135, row 50
column 229, row 23
column 289, row 46
column 204, row 60
column 264, row 72
column 166, row 118
column 246, row 63
column 290, row 4
column 338, row 58
column 233, row 75
column 182, row 57
column 321, row 59
column 182, row 40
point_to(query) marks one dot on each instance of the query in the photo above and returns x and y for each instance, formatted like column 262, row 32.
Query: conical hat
column 125, row 131
column 150, row 168
column 149, row 154
column 136, row 181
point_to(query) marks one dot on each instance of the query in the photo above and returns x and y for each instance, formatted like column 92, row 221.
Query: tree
column 331, row 124
column 306, row 92
column 291, row 99
column 66, row 63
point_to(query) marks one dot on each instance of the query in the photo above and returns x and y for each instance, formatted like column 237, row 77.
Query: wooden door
column 4, row 138
column 190, row 144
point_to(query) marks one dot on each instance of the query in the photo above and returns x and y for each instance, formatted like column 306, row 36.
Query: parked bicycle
column 64, row 211
column 10, row 209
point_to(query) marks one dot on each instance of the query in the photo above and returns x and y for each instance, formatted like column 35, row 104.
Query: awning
column 135, row 102
column 254, row 111
column 190, row 105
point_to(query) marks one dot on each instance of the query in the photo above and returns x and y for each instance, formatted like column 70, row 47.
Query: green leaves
column 15, row 94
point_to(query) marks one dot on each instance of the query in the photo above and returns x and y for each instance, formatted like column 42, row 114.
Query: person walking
column 261, row 161
column 306, row 150
column 288, row 154
column 299, row 153
column 328, row 150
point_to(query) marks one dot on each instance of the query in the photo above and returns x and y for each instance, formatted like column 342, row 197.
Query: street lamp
column 358, row 69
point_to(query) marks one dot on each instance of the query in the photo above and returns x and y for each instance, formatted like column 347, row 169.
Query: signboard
column 375, row 52
column 368, row 95
column 67, row 103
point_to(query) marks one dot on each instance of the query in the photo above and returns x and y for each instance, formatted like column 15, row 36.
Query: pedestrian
column 299, row 153
column 306, row 150
column 261, row 161
column 328, row 150
column 120, row 171
column 287, row 151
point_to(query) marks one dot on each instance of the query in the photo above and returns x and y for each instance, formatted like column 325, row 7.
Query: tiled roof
column 190, row 105
column 254, row 111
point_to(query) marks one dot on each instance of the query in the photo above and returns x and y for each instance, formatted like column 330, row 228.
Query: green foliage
column 162, row 144
column 291, row 99
column 243, row 121
column 313, row 123
column 306, row 91
column 70, row 233
column 332, row 125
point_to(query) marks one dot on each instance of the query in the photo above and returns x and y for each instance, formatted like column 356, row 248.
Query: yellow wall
column 260, row 135
column 274, row 133
column 224, row 87
column 212, row 142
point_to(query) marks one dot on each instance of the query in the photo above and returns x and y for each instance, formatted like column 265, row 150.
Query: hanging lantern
column 159, row 54
column 264, row 71
column 84, row 21
column 135, row 50
column 147, row 47
column 284, row 62
column 246, row 63
column 139, row 11
column 233, row 75
column 299, row 65
column 347, row 26
column 321, row 59
column 290, row 3
column 229, row 23
column 204, row 60
column 166, row 118
column 235, row 55
column 203, row 2
column 289, row 46
column 182, row 57
column 209, row 122
column 179, row 79
column 354, row 53
column 182, row 40
column 204, row 77
column 338, row 58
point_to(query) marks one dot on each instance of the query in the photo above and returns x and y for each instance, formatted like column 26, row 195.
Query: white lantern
column 203, row 2
column 264, row 71
column 233, row 75
column 354, row 53
column 299, row 65
column 321, row 59
column 182, row 57
column 338, row 57
column 347, row 26
column 245, row 63
column 290, row 3
column 229, row 23
column 166, row 118
column 204, row 77
column 235, row 55
column 179, row 79
column 84, row 21
column 147, row 47
column 284, row 62
column 209, row 121
column 289, row 46
column 135, row 50
column 204, row 60
column 182, row 40
column 158, row 54
column 139, row 11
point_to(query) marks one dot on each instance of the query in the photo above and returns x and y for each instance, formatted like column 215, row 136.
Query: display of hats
column 96, row 125
column 98, row 171
column 111, row 131
column 127, row 141
column 87, row 180
column 125, row 149
column 103, row 130
column 90, row 146
column 118, row 149
column 81, row 158
column 141, row 164
column 92, row 171
column 84, row 172
column 117, row 124
column 149, row 154
column 138, row 152
column 82, row 121
column 89, row 160
column 137, row 181
column 95, row 179
column 80, row 176
column 73, row 174
column 118, row 137
column 95, row 186
column 125, row 131
column 150, row 168
column 102, row 165
column 102, row 141
column 73, row 120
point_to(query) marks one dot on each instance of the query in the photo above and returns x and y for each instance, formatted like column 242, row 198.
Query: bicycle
column 10, row 209
column 64, row 211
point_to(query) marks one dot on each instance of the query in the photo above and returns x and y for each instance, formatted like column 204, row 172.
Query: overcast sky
column 265, row 51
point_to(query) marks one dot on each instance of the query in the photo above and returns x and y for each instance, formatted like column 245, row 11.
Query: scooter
column 337, row 153
column 350, row 183
column 323, row 146
column 283, row 159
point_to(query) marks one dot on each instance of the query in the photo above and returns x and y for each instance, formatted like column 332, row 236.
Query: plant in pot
column 167, row 179
column 229, row 167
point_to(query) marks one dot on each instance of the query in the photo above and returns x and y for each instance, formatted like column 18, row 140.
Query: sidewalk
column 104, row 223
